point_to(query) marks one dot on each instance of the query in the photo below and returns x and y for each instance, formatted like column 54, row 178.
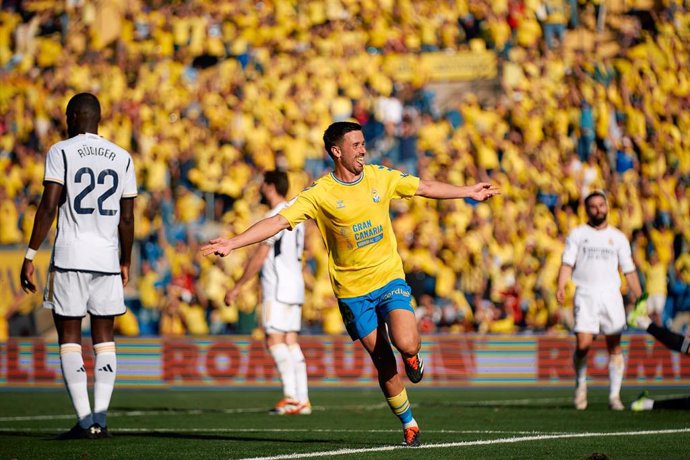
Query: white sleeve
column 625, row 255
column 130, row 187
column 55, row 166
column 570, row 251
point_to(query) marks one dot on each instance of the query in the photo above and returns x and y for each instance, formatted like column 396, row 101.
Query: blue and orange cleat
column 411, row 436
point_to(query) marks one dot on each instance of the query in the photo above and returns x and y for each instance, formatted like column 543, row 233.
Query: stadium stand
column 208, row 95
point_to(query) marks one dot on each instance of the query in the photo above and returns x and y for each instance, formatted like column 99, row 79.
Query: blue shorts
column 363, row 314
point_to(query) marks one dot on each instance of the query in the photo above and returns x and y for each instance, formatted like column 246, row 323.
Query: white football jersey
column 596, row 256
column 95, row 174
column 281, row 273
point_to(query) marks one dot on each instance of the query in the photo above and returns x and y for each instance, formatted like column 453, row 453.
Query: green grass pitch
column 501, row 423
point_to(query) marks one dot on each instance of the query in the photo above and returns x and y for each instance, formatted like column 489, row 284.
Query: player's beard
column 597, row 220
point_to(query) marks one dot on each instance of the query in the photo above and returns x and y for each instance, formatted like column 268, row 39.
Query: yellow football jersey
column 355, row 224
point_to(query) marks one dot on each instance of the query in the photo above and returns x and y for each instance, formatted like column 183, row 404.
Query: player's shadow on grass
column 29, row 434
column 38, row 436
column 168, row 435
column 184, row 410
column 219, row 437
column 161, row 408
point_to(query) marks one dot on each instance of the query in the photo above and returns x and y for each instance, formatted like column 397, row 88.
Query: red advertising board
column 452, row 360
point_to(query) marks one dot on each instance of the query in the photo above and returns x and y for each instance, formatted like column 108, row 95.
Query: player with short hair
column 638, row 319
column 351, row 207
column 90, row 183
column 279, row 259
column 593, row 254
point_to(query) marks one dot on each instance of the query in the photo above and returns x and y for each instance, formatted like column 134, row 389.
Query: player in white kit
column 593, row 254
column 90, row 183
column 279, row 259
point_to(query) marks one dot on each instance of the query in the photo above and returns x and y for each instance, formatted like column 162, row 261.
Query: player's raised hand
column 26, row 276
column 219, row 247
column 484, row 190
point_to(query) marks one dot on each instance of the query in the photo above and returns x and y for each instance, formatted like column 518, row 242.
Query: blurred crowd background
column 588, row 94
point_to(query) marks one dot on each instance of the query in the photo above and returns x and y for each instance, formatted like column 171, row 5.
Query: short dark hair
column 600, row 193
column 279, row 179
column 86, row 105
column 335, row 133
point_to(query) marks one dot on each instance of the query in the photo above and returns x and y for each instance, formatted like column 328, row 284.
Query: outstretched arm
column 443, row 191
column 258, row 232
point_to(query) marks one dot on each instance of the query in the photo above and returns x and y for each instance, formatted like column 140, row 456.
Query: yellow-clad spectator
column 656, row 282
column 127, row 325
column 9, row 218
column 172, row 319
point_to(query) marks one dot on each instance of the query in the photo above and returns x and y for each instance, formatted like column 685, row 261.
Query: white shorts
column 281, row 317
column 72, row 293
column 599, row 312
column 656, row 303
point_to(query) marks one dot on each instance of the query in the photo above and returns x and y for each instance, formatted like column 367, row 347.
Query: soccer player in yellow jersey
column 351, row 208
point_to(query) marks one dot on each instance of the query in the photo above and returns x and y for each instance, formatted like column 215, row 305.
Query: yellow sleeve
column 302, row 208
column 404, row 185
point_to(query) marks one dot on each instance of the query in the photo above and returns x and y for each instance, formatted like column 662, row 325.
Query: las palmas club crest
column 375, row 196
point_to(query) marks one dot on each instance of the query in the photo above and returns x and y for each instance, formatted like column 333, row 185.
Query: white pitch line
column 498, row 402
column 334, row 453
column 275, row 430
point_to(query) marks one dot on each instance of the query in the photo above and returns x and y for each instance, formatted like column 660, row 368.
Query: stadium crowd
column 209, row 95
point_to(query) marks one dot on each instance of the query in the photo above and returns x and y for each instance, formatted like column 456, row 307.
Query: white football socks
column 104, row 380
column 300, row 372
column 74, row 374
column 286, row 369
column 616, row 370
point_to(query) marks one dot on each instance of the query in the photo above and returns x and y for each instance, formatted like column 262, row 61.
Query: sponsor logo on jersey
column 366, row 233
